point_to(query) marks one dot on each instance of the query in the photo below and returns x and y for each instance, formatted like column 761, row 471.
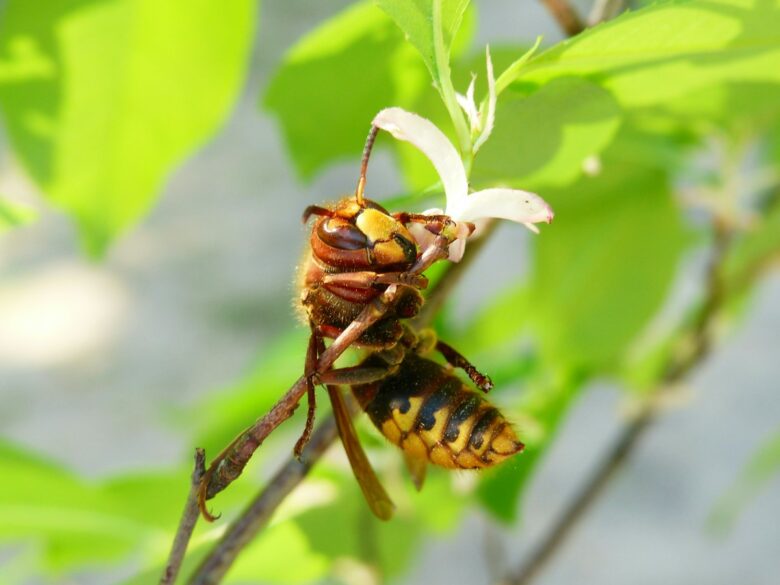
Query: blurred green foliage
column 14, row 215
column 102, row 99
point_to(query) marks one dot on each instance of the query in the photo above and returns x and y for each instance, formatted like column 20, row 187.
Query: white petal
column 470, row 110
column 467, row 104
column 434, row 144
column 520, row 206
column 531, row 227
column 490, row 114
column 470, row 90
column 423, row 237
column 457, row 248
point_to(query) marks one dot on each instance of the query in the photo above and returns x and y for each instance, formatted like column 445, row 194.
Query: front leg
column 436, row 224
column 365, row 279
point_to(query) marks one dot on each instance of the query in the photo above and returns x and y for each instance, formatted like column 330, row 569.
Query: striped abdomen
column 432, row 414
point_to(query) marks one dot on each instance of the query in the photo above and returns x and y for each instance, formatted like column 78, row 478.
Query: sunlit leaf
column 671, row 48
column 745, row 109
column 415, row 19
column 359, row 64
column 102, row 99
column 388, row 545
column 595, row 284
column 72, row 519
column 279, row 554
column 543, row 140
column 282, row 554
column 501, row 321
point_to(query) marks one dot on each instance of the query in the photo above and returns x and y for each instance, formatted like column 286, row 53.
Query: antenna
column 361, row 186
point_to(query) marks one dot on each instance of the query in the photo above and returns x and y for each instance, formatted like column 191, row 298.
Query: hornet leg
column 455, row 359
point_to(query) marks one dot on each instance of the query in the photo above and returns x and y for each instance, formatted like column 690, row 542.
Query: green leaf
column 104, row 98
column 669, row 49
column 608, row 265
column 542, row 140
column 500, row 322
column 282, row 554
column 415, row 19
column 359, row 64
column 744, row 109
column 279, row 554
column 73, row 521
column 387, row 545
column 437, row 506
column 511, row 71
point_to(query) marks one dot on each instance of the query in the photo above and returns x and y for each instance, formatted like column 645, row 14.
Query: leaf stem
column 446, row 89
column 510, row 73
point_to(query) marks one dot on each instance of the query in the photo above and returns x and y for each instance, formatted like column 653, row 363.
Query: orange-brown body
column 431, row 414
column 353, row 238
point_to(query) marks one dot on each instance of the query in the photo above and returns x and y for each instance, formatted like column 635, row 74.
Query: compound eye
column 340, row 234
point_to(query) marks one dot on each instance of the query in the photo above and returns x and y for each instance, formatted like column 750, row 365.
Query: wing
column 417, row 468
column 376, row 496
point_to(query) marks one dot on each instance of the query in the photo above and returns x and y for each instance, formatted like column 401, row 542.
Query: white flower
column 480, row 123
column 520, row 206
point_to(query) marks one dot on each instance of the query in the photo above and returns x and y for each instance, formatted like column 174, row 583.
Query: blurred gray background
column 186, row 301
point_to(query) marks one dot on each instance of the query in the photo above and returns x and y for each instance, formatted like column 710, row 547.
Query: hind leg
column 310, row 370
column 455, row 359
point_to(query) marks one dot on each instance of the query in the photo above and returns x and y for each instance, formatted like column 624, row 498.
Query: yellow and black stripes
column 431, row 414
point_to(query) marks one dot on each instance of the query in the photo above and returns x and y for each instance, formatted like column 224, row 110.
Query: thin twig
column 568, row 19
column 256, row 516
column 697, row 346
column 229, row 464
column 189, row 518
